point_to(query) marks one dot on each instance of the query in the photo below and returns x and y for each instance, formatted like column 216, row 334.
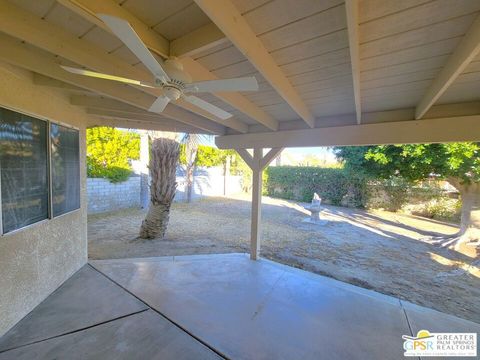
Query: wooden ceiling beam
column 39, row 79
column 351, row 7
column 401, row 132
column 118, row 114
column 56, row 40
column 136, row 124
column 104, row 103
column 464, row 53
column 89, row 9
column 43, row 63
column 201, row 39
column 186, row 45
column 229, row 20
column 240, row 102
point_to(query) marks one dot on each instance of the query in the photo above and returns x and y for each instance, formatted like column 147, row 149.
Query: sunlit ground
column 377, row 250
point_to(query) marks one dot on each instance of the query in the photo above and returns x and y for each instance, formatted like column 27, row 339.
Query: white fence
column 104, row 196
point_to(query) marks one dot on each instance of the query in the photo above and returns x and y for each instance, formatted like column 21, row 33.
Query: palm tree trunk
column 191, row 152
column 163, row 165
column 191, row 142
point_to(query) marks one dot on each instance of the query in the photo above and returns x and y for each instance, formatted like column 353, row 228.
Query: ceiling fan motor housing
column 178, row 76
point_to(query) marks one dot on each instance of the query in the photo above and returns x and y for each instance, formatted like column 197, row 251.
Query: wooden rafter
column 228, row 19
column 137, row 124
column 39, row 79
column 26, row 26
column 159, row 120
column 198, row 71
column 89, row 8
column 465, row 52
column 351, row 7
column 27, row 57
column 203, row 37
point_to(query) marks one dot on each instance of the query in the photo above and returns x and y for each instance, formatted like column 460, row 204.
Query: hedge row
column 341, row 187
column 300, row 183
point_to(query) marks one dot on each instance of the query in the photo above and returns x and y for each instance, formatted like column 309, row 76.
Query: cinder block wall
column 105, row 196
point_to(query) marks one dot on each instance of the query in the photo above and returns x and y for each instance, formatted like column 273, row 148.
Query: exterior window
column 23, row 170
column 65, row 169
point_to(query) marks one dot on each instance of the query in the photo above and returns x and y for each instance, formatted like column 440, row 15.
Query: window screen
column 65, row 169
column 23, row 170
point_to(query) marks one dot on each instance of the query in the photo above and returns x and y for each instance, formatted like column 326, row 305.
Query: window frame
column 51, row 215
column 49, row 171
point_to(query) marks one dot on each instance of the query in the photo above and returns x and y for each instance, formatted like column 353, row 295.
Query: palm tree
column 191, row 141
column 164, row 155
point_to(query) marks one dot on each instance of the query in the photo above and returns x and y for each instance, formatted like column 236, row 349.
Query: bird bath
column 315, row 209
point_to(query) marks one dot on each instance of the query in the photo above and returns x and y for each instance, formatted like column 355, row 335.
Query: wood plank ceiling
column 403, row 45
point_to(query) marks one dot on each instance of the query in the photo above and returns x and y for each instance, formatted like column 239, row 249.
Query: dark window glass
column 23, row 170
column 65, row 169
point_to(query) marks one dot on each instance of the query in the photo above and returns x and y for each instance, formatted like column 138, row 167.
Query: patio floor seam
column 162, row 315
column 263, row 301
column 408, row 320
column 74, row 331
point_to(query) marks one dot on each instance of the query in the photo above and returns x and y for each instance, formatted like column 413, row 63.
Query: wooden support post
column 257, row 163
column 256, row 204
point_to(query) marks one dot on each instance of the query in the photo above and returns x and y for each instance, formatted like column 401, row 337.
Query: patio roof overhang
column 330, row 72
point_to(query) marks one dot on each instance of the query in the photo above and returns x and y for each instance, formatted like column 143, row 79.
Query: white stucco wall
column 34, row 261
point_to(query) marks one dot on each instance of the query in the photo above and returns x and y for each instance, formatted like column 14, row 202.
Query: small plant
column 441, row 209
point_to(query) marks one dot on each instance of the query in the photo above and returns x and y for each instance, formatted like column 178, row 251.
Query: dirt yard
column 376, row 250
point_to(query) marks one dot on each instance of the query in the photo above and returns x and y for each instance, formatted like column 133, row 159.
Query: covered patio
column 323, row 73
column 216, row 306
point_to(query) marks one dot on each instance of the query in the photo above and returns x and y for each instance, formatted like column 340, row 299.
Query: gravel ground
column 377, row 250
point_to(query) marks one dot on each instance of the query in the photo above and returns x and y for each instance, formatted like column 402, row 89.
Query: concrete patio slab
column 144, row 335
column 86, row 299
column 201, row 307
column 264, row 310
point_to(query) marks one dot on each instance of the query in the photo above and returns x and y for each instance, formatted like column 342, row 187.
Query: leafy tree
column 109, row 152
column 457, row 163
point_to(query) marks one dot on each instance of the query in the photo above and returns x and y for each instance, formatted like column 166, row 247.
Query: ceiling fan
column 168, row 76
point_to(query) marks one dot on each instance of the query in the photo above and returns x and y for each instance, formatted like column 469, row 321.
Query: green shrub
column 390, row 194
column 300, row 183
column 442, row 208
column 113, row 173
column 352, row 189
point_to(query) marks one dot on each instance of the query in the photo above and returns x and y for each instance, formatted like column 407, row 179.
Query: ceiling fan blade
column 129, row 37
column 105, row 76
column 202, row 104
column 159, row 104
column 237, row 84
